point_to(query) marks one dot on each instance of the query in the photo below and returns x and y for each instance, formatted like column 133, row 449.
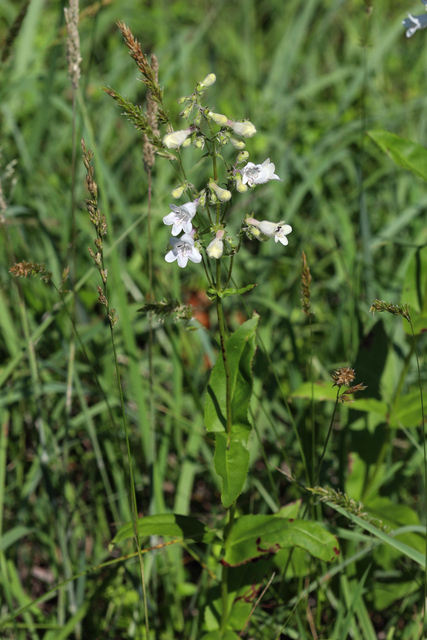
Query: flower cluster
column 190, row 218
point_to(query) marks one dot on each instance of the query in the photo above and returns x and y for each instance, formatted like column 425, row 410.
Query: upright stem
column 325, row 446
column 224, row 575
column 223, row 337
column 423, row 433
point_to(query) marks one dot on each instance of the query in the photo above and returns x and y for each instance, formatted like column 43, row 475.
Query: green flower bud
column 222, row 139
column 237, row 144
column 242, row 157
column 240, row 187
column 177, row 193
column 218, row 118
column 186, row 112
column 208, row 81
column 223, row 194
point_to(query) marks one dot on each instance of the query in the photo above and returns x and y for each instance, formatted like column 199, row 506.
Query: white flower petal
column 194, row 255
column 182, row 260
column 170, row 257
column 253, row 174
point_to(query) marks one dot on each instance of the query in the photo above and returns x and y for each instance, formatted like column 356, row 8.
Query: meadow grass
column 313, row 77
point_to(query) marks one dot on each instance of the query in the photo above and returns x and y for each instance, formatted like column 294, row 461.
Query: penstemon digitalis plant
column 199, row 234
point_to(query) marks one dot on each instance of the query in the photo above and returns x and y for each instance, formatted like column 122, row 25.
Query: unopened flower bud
column 222, row 139
column 242, row 157
column 177, row 138
column 218, row 118
column 240, row 187
column 216, row 248
column 177, row 193
column 186, row 143
column 200, row 142
column 223, row 194
column 186, row 112
column 237, row 144
column 208, row 81
column 245, row 129
column 202, row 199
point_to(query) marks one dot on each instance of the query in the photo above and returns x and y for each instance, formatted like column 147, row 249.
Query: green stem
column 223, row 337
column 423, row 433
column 325, row 446
column 224, row 575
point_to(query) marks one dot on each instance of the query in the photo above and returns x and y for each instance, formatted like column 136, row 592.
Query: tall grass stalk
column 99, row 221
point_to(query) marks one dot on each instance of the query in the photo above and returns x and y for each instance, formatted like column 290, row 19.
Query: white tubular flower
column 183, row 250
column 245, row 129
column 223, row 195
column 276, row 230
column 176, row 138
column 181, row 217
column 218, row 118
column 216, row 248
column 253, row 174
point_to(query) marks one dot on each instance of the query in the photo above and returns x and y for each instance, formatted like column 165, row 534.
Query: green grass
column 313, row 77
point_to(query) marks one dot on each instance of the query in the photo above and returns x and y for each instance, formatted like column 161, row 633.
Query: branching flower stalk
column 100, row 224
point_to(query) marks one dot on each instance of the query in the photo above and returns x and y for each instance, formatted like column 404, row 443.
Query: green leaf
column 407, row 410
column 168, row 524
column 231, row 458
column 385, row 538
column 231, row 463
column 405, row 153
column 255, row 536
column 213, row 293
column 13, row 535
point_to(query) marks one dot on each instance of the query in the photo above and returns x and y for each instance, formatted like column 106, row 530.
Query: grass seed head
column 343, row 376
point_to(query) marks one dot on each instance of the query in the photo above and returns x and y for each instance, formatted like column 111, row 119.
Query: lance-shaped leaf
column 231, row 456
column 213, row 293
column 255, row 536
column 405, row 153
column 168, row 524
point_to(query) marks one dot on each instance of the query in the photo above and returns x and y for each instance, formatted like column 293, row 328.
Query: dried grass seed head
column 343, row 376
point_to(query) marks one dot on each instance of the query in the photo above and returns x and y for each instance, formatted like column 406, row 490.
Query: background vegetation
column 313, row 77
